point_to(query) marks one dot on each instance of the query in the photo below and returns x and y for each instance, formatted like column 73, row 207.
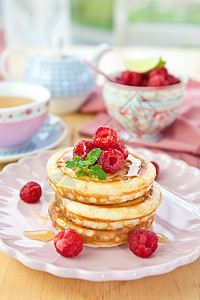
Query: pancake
column 112, row 216
column 132, row 181
column 95, row 237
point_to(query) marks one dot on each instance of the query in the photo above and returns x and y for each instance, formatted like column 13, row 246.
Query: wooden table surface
column 18, row 282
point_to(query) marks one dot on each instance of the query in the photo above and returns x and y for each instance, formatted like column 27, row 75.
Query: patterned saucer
column 50, row 135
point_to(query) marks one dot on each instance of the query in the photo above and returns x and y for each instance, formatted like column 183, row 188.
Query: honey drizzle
column 133, row 167
column 162, row 238
column 40, row 235
column 44, row 217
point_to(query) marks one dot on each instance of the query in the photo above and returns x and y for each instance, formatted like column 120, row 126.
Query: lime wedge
column 143, row 65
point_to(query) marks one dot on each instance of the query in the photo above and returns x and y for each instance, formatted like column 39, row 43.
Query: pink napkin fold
column 94, row 103
column 180, row 140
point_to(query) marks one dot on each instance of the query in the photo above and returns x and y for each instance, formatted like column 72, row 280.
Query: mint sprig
column 97, row 172
column 86, row 166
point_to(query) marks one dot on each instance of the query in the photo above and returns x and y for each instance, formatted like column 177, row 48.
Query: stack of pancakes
column 103, row 212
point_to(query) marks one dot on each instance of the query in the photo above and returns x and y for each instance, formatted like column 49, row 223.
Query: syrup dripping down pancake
column 95, row 237
column 111, row 229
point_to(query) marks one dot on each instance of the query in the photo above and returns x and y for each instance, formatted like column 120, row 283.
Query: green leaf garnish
column 97, row 172
column 81, row 172
column 83, row 164
column 93, row 155
column 77, row 158
column 86, row 166
column 72, row 164
column 161, row 63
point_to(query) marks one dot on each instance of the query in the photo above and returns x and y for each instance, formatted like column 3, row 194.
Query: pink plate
column 172, row 219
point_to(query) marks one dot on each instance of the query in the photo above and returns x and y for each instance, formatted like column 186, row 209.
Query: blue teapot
column 68, row 79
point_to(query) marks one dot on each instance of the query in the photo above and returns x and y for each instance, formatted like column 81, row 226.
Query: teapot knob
column 57, row 45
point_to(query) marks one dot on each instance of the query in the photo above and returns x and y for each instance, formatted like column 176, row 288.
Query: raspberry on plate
column 83, row 148
column 68, row 243
column 156, row 166
column 143, row 242
column 111, row 160
column 105, row 137
column 30, row 192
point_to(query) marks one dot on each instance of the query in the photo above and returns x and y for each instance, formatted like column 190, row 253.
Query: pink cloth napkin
column 94, row 103
column 181, row 140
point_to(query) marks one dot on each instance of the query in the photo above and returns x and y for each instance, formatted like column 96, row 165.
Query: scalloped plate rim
column 108, row 275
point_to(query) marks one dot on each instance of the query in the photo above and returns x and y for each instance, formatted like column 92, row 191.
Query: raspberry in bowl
column 144, row 103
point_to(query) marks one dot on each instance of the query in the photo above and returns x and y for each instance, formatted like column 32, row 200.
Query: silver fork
column 195, row 208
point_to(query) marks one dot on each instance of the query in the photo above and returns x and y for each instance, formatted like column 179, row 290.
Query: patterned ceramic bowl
column 19, row 123
column 143, row 111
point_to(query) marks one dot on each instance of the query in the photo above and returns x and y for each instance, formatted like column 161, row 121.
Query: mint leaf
column 72, row 164
column 77, row 158
column 83, row 164
column 96, row 167
column 86, row 166
column 81, row 172
column 93, row 155
column 97, row 172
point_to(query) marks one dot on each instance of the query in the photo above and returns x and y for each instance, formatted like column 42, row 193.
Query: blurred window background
column 119, row 22
column 146, row 22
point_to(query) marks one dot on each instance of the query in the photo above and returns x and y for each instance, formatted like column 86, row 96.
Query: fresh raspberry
column 127, row 77
column 172, row 79
column 131, row 78
column 156, row 166
column 105, row 137
column 147, row 79
column 144, row 80
column 158, row 71
column 136, row 79
column 120, row 146
column 68, row 243
column 143, row 242
column 157, row 80
column 83, row 148
column 31, row 192
column 111, row 160
column 119, row 80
